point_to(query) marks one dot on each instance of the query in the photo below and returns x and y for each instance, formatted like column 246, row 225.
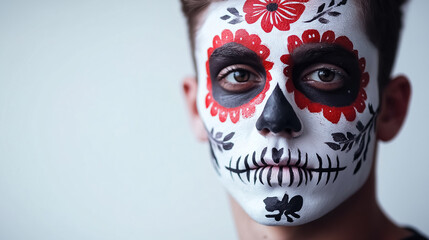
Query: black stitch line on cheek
column 330, row 166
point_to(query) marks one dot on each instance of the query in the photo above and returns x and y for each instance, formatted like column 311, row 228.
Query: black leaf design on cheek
column 346, row 141
column 334, row 14
column 225, row 17
column 284, row 206
column 359, row 126
column 323, row 20
column 219, row 143
column 332, row 3
column 334, row 146
column 228, row 137
column 339, row 137
column 228, row 146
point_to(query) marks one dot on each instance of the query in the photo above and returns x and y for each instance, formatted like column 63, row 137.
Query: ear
column 190, row 89
column 394, row 106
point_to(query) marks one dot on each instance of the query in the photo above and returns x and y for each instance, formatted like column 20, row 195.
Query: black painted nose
column 278, row 115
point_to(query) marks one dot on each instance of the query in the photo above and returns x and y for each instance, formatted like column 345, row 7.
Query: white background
column 94, row 135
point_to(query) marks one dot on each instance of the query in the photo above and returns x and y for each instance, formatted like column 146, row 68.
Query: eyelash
column 230, row 69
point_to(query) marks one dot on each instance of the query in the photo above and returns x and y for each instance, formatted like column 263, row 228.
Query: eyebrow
column 312, row 53
column 233, row 53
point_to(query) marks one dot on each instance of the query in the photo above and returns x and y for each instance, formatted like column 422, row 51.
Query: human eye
column 324, row 77
column 239, row 78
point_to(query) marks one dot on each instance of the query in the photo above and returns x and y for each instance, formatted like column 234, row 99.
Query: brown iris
column 326, row 75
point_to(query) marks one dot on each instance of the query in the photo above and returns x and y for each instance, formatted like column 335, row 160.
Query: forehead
column 343, row 17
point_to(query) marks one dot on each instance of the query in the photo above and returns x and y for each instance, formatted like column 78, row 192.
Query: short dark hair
column 383, row 23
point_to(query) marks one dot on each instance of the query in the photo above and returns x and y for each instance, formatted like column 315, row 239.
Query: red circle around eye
column 252, row 42
column 331, row 113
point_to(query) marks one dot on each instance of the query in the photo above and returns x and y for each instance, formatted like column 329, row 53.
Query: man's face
column 288, row 95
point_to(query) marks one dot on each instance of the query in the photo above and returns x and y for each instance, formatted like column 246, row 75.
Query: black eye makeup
column 326, row 73
column 237, row 74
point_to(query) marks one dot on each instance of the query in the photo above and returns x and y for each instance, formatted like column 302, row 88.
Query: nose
column 278, row 115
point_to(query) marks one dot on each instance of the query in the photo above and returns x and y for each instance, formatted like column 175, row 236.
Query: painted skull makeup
column 288, row 94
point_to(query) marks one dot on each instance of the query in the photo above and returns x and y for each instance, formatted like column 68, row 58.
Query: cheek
column 242, row 108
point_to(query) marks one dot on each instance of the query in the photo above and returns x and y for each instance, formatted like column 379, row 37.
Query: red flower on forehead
column 252, row 42
column 277, row 13
column 332, row 113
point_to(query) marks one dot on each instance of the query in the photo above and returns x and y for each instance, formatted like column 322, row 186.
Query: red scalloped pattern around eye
column 333, row 114
column 252, row 42
column 274, row 13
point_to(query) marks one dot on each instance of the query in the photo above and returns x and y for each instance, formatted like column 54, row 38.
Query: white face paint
column 289, row 105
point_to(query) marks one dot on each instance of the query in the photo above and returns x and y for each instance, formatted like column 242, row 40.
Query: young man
column 293, row 96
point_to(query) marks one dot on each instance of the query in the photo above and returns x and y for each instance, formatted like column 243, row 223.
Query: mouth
column 282, row 169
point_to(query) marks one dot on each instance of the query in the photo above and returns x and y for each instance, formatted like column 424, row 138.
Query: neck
column 359, row 217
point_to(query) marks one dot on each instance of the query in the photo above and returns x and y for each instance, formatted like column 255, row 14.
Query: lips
column 282, row 169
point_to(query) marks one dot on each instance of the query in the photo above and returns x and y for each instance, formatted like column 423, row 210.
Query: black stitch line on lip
column 305, row 167
column 300, row 176
column 236, row 167
column 303, row 171
column 291, row 176
column 269, row 176
column 246, row 164
column 260, row 175
column 255, row 178
column 254, row 160
column 264, row 151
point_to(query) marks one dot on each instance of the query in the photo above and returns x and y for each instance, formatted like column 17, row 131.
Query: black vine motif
column 346, row 141
column 305, row 174
column 214, row 160
column 322, row 11
column 219, row 142
column 284, row 206
column 236, row 17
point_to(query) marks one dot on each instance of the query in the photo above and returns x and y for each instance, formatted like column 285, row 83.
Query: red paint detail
column 333, row 114
column 328, row 37
column 293, row 42
column 286, row 13
column 252, row 42
column 311, row 36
